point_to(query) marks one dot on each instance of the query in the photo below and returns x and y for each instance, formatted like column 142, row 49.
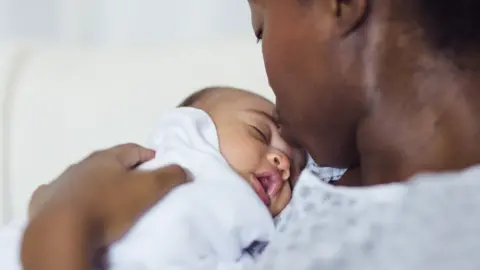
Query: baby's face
column 250, row 141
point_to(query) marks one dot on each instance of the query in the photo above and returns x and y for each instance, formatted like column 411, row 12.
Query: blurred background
column 81, row 75
column 123, row 22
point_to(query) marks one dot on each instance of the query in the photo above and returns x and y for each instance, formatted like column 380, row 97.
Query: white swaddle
column 206, row 224
column 10, row 245
column 203, row 225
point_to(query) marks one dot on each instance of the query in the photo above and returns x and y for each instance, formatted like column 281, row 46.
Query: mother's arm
column 92, row 204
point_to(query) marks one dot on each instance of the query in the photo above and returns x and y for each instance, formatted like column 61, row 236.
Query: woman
column 388, row 88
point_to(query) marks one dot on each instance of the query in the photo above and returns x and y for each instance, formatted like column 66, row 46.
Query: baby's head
column 250, row 141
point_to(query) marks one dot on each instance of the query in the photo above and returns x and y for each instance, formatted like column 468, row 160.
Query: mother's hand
column 92, row 204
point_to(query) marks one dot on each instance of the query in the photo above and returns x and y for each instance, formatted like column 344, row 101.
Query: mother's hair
column 450, row 26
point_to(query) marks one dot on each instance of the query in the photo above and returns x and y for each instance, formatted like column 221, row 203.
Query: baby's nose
column 281, row 162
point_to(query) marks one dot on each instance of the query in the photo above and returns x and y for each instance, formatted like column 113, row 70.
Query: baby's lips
column 275, row 183
column 273, row 190
column 258, row 188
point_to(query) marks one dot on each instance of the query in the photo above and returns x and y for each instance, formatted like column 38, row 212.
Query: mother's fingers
column 136, row 195
column 130, row 155
column 147, row 187
column 38, row 198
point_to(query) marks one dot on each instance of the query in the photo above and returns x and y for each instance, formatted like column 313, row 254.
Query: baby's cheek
column 241, row 156
column 282, row 200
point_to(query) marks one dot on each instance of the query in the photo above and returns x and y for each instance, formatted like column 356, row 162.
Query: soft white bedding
column 10, row 239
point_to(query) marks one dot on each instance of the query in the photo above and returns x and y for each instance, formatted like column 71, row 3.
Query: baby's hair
column 192, row 99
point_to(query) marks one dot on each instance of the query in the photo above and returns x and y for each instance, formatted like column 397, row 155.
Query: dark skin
column 91, row 205
column 351, row 178
column 358, row 87
column 354, row 79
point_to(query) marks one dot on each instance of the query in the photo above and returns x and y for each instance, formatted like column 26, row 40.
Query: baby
column 242, row 171
column 250, row 141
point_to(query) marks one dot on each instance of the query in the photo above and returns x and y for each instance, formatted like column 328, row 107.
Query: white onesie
column 208, row 224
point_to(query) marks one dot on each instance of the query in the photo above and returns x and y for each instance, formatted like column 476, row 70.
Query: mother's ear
column 349, row 14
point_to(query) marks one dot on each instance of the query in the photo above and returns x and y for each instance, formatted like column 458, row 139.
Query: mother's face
column 311, row 66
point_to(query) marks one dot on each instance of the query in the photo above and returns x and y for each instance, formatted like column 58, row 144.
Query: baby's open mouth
column 267, row 185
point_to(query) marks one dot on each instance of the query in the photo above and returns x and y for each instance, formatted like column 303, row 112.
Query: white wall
column 51, row 27
column 123, row 22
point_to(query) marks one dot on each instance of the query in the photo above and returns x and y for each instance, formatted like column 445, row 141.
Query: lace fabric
column 325, row 174
column 431, row 222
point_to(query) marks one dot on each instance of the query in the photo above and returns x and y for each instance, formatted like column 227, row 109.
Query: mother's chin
column 351, row 178
column 328, row 150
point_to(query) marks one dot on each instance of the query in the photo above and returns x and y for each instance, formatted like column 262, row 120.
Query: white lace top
column 431, row 222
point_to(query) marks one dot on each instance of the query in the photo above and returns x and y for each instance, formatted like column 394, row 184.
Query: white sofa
column 60, row 103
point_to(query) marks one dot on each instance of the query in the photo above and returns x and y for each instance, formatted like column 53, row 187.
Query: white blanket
column 10, row 240
column 204, row 225
column 207, row 224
